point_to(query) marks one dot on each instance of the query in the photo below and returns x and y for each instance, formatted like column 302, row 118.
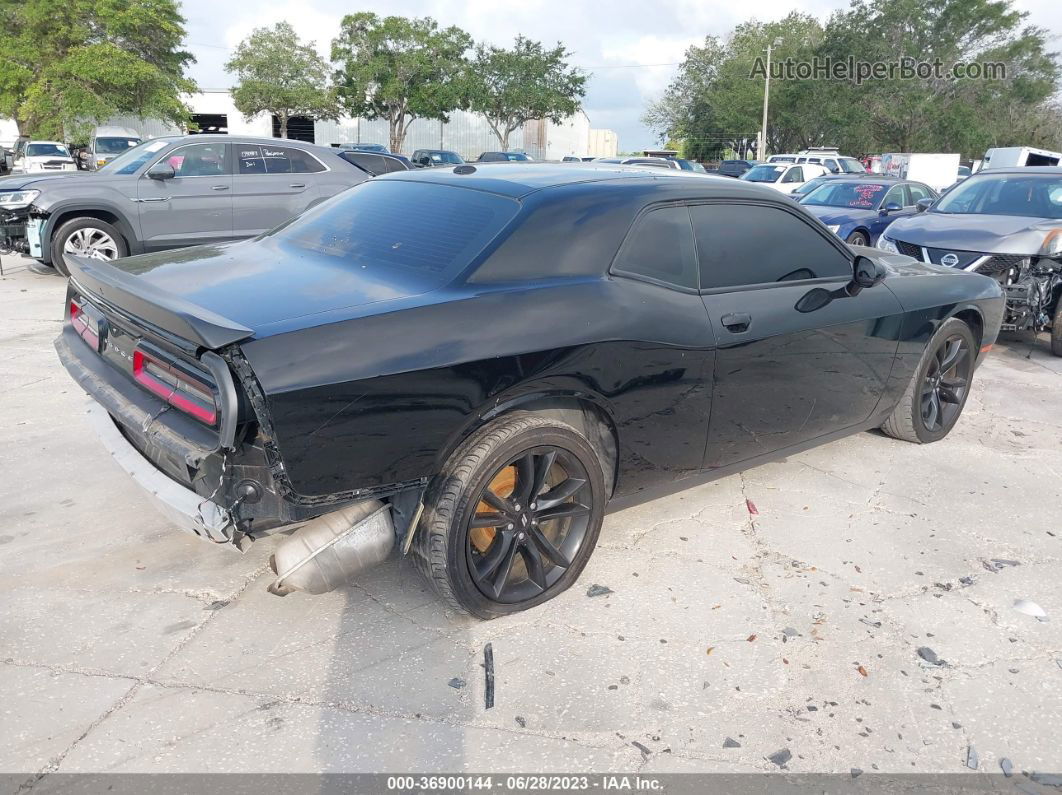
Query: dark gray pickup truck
column 168, row 193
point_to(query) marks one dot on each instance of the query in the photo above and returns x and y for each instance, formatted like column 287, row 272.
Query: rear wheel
column 511, row 520
column 86, row 237
column 857, row 239
column 1056, row 329
column 935, row 398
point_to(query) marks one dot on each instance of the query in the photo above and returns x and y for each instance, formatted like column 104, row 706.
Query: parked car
column 783, row 177
column 859, row 210
column 335, row 371
column 833, row 162
column 171, row 192
column 503, row 157
column 735, row 168
column 1003, row 223
column 650, row 162
column 41, row 157
column 426, row 158
column 365, row 148
column 109, row 142
column 376, row 163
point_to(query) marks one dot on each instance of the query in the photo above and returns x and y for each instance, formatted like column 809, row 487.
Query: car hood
column 840, row 215
column 38, row 179
column 991, row 234
column 259, row 283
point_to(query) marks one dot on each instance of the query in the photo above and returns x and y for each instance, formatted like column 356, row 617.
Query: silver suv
column 168, row 193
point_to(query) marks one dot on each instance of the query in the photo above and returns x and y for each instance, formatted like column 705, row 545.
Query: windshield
column 46, row 150
column 851, row 166
column 515, row 156
column 764, row 173
column 857, row 195
column 426, row 232
column 1024, row 195
column 114, row 146
column 446, row 157
column 132, row 159
column 782, row 159
column 809, row 186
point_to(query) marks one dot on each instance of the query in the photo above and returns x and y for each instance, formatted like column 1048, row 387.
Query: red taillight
column 175, row 386
column 81, row 325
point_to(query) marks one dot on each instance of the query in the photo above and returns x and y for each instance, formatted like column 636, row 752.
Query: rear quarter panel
column 383, row 399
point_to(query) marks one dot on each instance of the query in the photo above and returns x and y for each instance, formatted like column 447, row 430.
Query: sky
column 631, row 49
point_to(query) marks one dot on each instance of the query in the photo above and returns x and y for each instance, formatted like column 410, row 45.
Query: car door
column 784, row 376
column 195, row 205
column 792, row 179
column 272, row 184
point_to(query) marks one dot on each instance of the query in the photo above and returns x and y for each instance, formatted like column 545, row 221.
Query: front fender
column 126, row 219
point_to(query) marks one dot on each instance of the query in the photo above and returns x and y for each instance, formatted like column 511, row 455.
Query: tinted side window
column 389, row 164
column 896, row 194
column 661, row 247
column 201, row 160
column 918, row 192
column 794, row 175
column 742, row 244
column 249, row 159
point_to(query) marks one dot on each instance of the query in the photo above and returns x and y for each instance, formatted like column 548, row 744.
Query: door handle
column 297, row 185
column 219, row 187
column 736, row 322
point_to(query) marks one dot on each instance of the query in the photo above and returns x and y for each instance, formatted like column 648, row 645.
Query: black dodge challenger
column 474, row 364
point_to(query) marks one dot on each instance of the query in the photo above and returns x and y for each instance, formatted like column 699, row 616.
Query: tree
column 510, row 87
column 400, row 70
column 280, row 75
column 66, row 65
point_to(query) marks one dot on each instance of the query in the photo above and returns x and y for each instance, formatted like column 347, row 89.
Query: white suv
column 833, row 162
column 782, row 176
column 32, row 157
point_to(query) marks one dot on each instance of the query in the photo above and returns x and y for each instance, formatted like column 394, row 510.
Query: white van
column 1019, row 157
column 109, row 142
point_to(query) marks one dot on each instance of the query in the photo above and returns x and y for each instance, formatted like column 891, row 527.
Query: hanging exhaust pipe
column 327, row 551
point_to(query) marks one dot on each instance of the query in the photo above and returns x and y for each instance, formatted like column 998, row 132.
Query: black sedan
column 473, row 364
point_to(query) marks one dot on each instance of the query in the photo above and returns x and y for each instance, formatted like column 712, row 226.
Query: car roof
column 43, row 141
column 245, row 139
column 1043, row 170
column 518, row 181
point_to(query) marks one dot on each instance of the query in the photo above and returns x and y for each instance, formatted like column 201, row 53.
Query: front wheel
column 511, row 520
column 857, row 239
column 86, row 237
column 935, row 398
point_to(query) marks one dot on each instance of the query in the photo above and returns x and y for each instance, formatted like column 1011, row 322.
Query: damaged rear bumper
column 187, row 510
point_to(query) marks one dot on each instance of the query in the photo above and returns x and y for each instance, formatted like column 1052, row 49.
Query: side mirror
column 161, row 171
column 814, row 300
column 865, row 273
column 891, row 207
column 923, row 204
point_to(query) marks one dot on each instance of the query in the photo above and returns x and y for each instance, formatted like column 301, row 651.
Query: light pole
column 761, row 150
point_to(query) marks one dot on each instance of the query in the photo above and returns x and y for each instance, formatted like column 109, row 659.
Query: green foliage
column 400, row 69
column 68, row 64
column 713, row 103
column 512, row 86
column 278, row 74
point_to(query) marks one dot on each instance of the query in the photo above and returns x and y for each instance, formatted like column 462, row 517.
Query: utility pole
column 761, row 149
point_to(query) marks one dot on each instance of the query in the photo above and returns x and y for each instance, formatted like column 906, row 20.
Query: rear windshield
column 132, row 159
column 114, row 146
column 434, row 231
column 764, row 173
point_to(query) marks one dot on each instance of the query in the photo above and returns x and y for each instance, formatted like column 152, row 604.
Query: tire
column 109, row 241
column 857, row 239
column 453, row 555
column 1056, row 329
column 908, row 420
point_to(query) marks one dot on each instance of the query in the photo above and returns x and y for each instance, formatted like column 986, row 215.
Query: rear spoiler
column 156, row 306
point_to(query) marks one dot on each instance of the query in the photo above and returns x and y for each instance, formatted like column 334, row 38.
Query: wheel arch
column 587, row 413
column 101, row 212
column 972, row 317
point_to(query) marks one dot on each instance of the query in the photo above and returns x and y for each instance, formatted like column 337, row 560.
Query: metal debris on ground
column 488, row 668
column 521, row 722
column 780, row 757
column 971, row 758
column 599, row 590
column 457, row 683
column 730, row 742
column 869, row 623
column 1030, row 609
column 966, row 580
column 1006, row 767
column 645, row 751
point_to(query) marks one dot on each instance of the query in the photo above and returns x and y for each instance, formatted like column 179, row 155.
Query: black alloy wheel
column 530, row 522
column 945, row 383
